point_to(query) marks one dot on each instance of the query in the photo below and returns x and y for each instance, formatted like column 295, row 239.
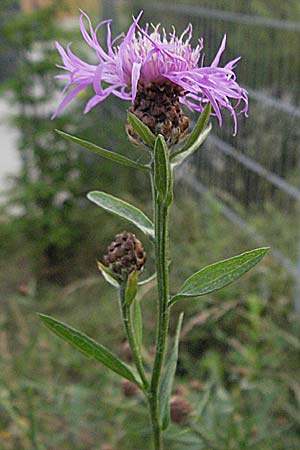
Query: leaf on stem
column 137, row 322
column 161, row 168
column 141, row 129
column 108, row 275
column 196, row 138
column 116, row 157
column 89, row 347
column 131, row 287
column 147, row 280
column 123, row 209
column 182, row 156
column 218, row 275
column 167, row 381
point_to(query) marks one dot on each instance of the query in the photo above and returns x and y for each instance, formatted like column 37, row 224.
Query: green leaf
column 137, row 321
column 89, row 347
column 123, row 209
column 179, row 157
column 108, row 275
column 194, row 140
column 218, row 275
column 167, row 381
column 116, row 157
column 198, row 128
column 147, row 280
column 161, row 168
column 131, row 287
column 141, row 129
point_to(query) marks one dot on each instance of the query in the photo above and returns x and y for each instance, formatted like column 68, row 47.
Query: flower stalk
column 156, row 72
column 136, row 356
column 161, row 221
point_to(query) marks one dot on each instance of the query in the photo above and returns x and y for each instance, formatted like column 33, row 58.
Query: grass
column 239, row 356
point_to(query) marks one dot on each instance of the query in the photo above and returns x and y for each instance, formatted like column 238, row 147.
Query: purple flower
column 149, row 55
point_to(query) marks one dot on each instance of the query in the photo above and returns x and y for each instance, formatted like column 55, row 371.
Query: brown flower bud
column 180, row 409
column 157, row 106
column 125, row 254
column 129, row 389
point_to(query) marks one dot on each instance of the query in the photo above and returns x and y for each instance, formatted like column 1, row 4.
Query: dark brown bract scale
column 125, row 254
column 157, row 106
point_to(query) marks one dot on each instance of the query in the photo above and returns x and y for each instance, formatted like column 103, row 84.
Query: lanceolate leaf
column 123, row 209
column 197, row 136
column 167, row 381
column 180, row 157
column 198, row 128
column 108, row 275
column 89, row 347
column 142, row 130
column 131, row 287
column 137, row 321
column 161, row 167
column 116, row 157
column 147, row 280
column 218, row 275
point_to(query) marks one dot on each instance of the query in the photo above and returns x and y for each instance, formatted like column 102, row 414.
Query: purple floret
column 149, row 55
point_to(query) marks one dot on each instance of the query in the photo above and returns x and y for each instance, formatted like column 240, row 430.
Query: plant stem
column 161, row 250
column 131, row 339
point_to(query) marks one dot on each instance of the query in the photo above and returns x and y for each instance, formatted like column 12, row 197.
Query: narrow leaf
column 179, row 157
column 131, row 287
column 123, row 209
column 89, row 347
column 218, row 275
column 198, row 128
column 147, row 280
column 108, row 275
column 142, row 130
column 161, row 167
column 167, row 381
column 137, row 321
column 116, row 157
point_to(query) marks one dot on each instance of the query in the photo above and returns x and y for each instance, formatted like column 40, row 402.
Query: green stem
column 137, row 358
column 161, row 250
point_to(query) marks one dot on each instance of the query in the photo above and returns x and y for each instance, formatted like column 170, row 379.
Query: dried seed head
column 125, row 254
column 129, row 389
column 180, row 409
column 157, row 106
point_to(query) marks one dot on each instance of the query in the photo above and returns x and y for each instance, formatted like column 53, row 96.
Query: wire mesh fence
column 254, row 176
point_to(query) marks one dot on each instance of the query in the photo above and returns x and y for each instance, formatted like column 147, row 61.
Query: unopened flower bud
column 129, row 389
column 180, row 409
column 125, row 254
column 157, row 106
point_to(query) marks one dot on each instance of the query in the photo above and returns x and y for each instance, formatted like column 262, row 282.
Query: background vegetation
column 239, row 357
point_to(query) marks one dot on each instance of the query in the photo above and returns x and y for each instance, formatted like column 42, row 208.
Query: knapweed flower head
column 155, row 71
column 125, row 254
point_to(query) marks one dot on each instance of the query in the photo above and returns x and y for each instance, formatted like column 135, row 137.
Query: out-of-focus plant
column 49, row 182
column 156, row 73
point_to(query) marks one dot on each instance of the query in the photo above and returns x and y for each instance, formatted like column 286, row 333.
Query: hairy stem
column 137, row 358
column 161, row 251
